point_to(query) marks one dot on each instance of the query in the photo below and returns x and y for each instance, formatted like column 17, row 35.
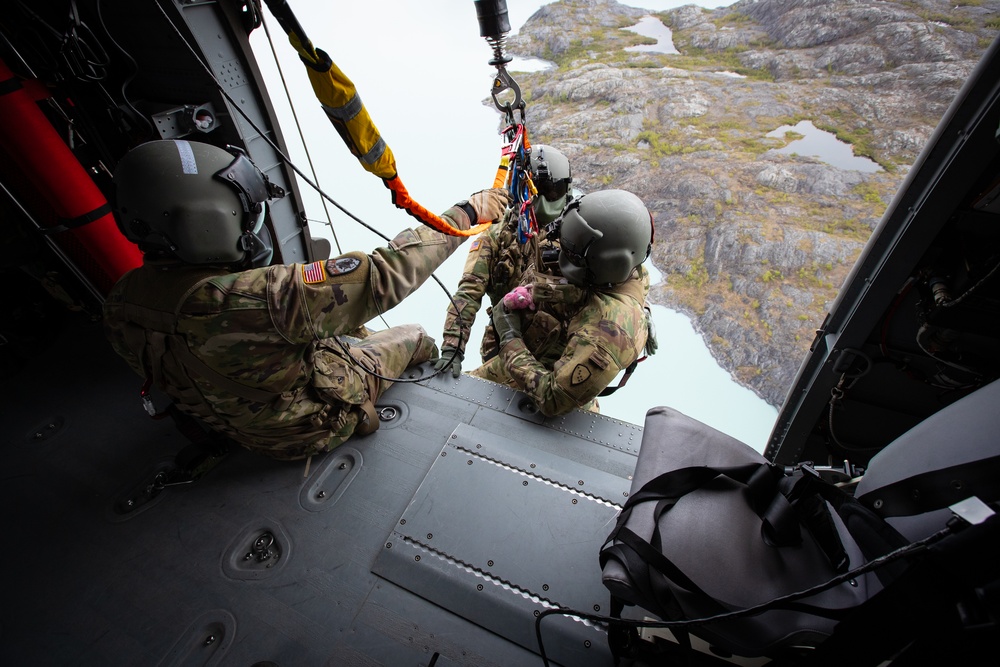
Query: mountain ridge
column 753, row 244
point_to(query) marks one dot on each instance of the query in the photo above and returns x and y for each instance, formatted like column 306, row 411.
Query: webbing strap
column 607, row 391
column 778, row 522
column 936, row 489
column 199, row 367
column 657, row 560
column 371, row 423
column 767, row 489
column 80, row 220
column 158, row 334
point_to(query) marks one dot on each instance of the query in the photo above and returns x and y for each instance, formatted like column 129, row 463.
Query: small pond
column 650, row 26
column 519, row 64
column 823, row 145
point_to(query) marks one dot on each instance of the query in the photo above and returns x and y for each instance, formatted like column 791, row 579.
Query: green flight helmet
column 603, row 237
column 197, row 202
column 552, row 176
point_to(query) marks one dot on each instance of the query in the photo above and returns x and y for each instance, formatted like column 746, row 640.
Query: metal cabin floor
column 432, row 541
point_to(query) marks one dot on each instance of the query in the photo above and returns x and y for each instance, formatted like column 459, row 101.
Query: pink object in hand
column 519, row 298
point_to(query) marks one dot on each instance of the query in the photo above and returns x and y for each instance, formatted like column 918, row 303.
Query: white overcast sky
column 421, row 69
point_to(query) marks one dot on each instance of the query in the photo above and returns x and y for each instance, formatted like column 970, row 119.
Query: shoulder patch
column 580, row 375
column 475, row 245
column 314, row 273
column 342, row 265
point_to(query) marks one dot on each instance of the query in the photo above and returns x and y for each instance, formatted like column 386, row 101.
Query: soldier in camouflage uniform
column 589, row 323
column 249, row 349
column 498, row 262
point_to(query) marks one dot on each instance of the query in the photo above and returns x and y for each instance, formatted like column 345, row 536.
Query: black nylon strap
column 607, row 391
column 783, row 503
column 10, row 85
column 660, row 598
column 779, row 524
column 814, row 513
column 638, row 556
column 667, row 486
column 657, row 560
column 682, row 481
column 936, row 489
column 80, row 220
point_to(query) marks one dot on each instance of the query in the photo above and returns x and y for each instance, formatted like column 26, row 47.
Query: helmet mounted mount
column 603, row 237
column 195, row 201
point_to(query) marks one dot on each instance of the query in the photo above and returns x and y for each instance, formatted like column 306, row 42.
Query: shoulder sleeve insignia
column 475, row 245
column 342, row 265
column 314, row 273
column 580, row 375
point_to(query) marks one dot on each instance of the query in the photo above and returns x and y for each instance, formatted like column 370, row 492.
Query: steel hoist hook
column 494, row 25
column 503, row 82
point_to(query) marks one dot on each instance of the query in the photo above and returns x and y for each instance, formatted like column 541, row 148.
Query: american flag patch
column 475, row 245
column 314, row 273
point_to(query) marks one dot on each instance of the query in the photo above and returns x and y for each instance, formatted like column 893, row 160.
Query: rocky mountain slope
column 753, row 243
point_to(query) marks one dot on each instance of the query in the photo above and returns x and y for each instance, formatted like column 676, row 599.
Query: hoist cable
column 343, row 106
column 298, row 127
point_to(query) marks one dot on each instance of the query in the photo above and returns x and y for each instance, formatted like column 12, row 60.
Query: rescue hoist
column 514, row 172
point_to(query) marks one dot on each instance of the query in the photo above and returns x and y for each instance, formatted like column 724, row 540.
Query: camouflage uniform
column 497, row 263
column 256, row 354
column 574, row 344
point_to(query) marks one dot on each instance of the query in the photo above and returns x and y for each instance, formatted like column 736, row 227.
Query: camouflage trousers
column 386, row 353
column 495, row 371
column 391, row 352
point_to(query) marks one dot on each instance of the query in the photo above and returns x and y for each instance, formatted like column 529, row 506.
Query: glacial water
column 823, row 145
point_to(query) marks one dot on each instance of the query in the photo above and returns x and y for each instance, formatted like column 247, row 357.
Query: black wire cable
column 322, row 193
column 136, row 114
column 298, row 126
column 305, row 144
column 892, row 556
column 82, row 51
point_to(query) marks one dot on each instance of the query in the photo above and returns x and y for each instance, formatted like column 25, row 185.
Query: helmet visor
column 552, row 190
